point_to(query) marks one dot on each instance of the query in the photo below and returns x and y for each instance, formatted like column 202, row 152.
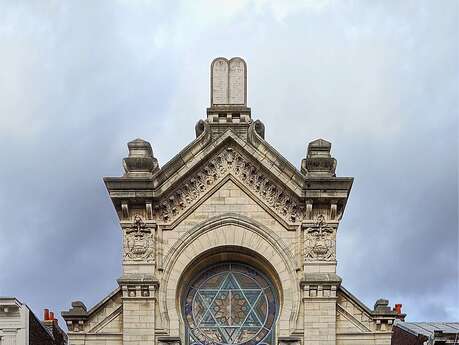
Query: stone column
column 319, row 307
column 139, row 305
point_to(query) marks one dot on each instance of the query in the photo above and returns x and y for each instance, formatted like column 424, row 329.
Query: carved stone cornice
column 320, row 285
column 138, row 286
column 230, row 161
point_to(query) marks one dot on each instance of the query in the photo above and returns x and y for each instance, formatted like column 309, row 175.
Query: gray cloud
column 380, row 80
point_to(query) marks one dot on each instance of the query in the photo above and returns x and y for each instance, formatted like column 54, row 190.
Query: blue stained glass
column 230, row 304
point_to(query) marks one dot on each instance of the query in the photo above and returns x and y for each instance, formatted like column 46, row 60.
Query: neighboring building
column 228, row 243
column 19, row 326
column 425, row 333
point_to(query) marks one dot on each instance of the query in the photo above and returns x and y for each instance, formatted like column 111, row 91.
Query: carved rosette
column 230, row 161
column 139, row 241
column 320, row 241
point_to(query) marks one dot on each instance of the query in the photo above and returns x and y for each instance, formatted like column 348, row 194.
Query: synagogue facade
column 229, row 243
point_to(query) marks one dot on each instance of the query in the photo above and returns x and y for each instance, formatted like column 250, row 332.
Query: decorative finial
column 140, row 161
column 318, row 161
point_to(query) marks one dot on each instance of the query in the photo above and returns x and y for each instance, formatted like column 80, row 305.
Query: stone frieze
column 230, row 161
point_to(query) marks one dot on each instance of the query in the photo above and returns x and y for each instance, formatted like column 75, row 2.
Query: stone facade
column 229, row 197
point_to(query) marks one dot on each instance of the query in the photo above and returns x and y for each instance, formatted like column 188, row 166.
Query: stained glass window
column 230, row 304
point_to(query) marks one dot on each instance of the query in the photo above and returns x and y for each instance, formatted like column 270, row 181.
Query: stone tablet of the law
column 229, row 79
column 220, row 81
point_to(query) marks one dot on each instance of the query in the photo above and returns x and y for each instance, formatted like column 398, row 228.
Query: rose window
column 230, row 304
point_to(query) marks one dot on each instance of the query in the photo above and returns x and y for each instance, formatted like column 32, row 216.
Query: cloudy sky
column 78, row 80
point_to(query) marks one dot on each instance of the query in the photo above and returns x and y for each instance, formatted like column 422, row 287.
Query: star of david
column 230, row 310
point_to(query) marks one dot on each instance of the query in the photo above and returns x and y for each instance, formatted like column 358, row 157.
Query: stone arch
column 221, row 232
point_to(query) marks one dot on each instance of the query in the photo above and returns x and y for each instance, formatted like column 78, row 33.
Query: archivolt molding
column 230, row 161
column 226, row 231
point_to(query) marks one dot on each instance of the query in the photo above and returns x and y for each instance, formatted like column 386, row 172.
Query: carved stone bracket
column 139, row 241
column 319, row 240
column 230, row 161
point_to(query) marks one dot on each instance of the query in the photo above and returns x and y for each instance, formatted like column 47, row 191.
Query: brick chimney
column 51, row 323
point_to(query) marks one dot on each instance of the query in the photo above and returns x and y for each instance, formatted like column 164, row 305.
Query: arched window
column 230, row 303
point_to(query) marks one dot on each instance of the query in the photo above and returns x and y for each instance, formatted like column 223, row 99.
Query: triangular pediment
column 230, row 196
column 230, row 158
column 200, row 151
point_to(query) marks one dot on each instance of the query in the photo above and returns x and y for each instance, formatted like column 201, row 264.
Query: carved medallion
column 320, row 241
column 138, row 241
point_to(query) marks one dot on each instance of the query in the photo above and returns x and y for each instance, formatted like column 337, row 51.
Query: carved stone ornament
column 320, row 241
column 230, row 161
column 138, row 241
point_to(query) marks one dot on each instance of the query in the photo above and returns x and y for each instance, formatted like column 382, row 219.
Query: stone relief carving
column 320, row 241
column 232, row 162
column 139, row 241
